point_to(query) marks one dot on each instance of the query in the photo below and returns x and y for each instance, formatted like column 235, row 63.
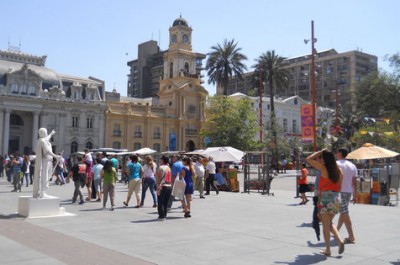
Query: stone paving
column 231, row 228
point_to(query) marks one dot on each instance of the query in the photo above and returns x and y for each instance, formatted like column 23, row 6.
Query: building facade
column 334, row 71
column 33, row 96
column 147, row 70
column 173, row 121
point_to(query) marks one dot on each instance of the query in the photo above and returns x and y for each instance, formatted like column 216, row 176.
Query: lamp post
column 313, row 101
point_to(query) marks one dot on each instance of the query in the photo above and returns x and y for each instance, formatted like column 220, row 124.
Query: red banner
column 307, row 123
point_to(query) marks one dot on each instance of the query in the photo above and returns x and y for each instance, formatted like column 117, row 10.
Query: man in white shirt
column 349, row 188
column 200, row 171
column 210, row 176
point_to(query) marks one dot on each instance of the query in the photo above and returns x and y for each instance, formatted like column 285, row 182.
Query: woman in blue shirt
column 134, row 171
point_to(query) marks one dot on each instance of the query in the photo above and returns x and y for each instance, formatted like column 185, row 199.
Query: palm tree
column 224, row 62
column 272, row 71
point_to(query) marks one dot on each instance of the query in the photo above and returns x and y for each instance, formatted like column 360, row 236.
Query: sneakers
column 202, row 197
column 112, row 208
column 187, row 215
column 155, row 205
column 126, row 204
column 81, row 202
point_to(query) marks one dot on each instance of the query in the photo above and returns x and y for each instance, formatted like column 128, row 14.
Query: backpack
column 23, row 167
column 82, row 174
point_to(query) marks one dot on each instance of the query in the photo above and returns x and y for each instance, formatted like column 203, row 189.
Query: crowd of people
column 177, row 178
column 99, row 175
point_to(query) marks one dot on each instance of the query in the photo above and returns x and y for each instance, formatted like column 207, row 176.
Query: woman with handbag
column 329, row 195
column 187, row 174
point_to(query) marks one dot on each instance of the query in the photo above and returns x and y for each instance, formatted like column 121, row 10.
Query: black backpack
column 23, row 167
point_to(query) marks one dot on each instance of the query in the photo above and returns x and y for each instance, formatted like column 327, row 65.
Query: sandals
column 341, row 248
column 348, row 241
column 325, row 253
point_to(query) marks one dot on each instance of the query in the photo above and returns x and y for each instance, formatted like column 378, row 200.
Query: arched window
column 89, row 145
column 74, row 147
column 171, row 70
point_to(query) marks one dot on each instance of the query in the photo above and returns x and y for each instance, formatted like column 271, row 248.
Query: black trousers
column 210, row 183
column 162, row 200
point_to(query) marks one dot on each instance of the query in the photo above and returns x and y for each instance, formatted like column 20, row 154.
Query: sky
column 98, row 37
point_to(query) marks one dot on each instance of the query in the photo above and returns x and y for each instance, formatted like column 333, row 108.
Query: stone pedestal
column 42, row 207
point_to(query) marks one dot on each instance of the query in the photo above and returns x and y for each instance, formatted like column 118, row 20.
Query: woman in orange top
column 329, row 198
column 303, row 184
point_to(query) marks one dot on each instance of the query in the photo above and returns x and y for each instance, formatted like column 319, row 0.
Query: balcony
column 190, row 131
column 117, row 133
column 138, row 135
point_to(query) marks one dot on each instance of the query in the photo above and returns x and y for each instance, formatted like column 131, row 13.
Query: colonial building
column 334, row 71
column 33, row 96
column 173, row 121
column 146, row 71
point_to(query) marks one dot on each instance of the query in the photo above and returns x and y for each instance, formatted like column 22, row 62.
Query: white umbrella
column 224, row 154
column 145, row 151
column 370, row 151
column 142, row 151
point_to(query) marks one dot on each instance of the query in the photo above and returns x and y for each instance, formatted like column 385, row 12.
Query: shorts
column 329, row 202
column 345, row 200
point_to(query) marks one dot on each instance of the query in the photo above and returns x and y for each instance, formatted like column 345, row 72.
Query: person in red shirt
column 329, row 198
column 303, row 184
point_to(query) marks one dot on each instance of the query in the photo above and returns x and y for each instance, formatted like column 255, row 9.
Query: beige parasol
column 370, row 151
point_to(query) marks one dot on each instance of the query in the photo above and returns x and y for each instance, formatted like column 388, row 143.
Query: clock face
column 174, row 38
column 185, row 38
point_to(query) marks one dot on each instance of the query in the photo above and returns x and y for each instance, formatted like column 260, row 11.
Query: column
column 101, row 130
column 35, row 129
column 1, row 130
column 61, row 132
column 6, row 136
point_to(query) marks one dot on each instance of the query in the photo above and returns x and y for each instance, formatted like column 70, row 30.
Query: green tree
column 230, row 123
column 379, row 133
column 224, row 62
column 274, row 75
column 378, row 96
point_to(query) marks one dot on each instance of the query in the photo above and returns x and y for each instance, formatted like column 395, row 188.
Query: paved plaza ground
column 231, row 228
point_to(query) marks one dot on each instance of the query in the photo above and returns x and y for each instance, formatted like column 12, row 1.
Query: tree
column 230, row 123
column 224, row 62
column 381, row 91
column 274, row 75
column 380, row 133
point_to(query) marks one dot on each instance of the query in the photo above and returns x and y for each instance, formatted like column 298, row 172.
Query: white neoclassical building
column 33, row 96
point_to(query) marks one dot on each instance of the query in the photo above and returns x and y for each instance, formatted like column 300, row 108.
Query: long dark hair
column 108, row 166
column 331, row 166
column 188, row 161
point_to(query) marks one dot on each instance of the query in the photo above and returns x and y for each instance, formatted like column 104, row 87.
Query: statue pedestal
column 40, row 207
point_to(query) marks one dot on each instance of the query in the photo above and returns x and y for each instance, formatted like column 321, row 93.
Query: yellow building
column 173, row 120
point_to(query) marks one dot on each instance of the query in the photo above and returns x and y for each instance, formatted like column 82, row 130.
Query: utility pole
column 313, row 101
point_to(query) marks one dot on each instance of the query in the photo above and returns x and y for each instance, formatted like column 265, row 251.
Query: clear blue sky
column 91, row 37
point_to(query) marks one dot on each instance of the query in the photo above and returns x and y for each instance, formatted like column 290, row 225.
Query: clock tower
column 180, row 86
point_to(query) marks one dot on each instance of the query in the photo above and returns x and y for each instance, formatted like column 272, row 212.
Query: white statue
column 43, row 163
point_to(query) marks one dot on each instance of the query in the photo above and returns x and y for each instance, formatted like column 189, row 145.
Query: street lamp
column 313, row 92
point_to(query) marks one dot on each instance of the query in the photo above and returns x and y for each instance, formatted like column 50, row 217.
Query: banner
column 307, row 123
